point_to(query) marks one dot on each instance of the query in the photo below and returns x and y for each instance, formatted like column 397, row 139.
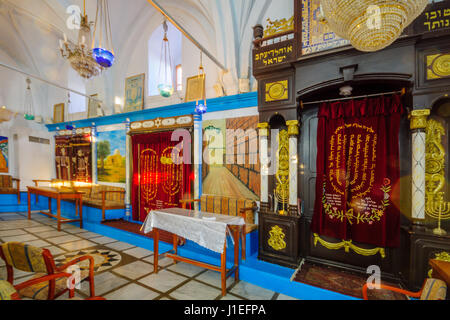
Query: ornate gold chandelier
column 371, row 25
column 80, row 55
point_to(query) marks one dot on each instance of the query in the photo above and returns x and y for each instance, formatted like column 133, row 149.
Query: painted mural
column 316, row 35
column 111, row 156
column 230, row 158
column 3, row 154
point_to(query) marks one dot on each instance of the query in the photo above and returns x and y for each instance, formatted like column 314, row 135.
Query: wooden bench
column 98, row 196
column 6, row 186
column 229, row 206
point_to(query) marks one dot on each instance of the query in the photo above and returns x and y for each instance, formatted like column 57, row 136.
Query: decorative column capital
column 263, row 129
column 293, row 129
column 419, row 119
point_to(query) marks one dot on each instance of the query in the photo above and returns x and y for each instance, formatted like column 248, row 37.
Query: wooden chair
column 244, row 213
column 10, row 292
column 433, row 289
column 32, row 259
column 6, row 186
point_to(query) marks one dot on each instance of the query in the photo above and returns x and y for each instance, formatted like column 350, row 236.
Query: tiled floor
column 133, row 277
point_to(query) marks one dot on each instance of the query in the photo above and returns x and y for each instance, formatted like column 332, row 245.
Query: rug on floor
column 136, row 229
column 337, row 280
column 103, row 259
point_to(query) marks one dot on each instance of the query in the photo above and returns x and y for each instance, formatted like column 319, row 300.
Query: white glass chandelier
column 371, row 25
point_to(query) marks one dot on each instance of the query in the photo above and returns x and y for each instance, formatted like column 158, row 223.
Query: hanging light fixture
column 103, row 51
column 371, row 25
column 201, row 107
column 165, row 86
column 80, row 55
column 69, row 117
column 28, row 109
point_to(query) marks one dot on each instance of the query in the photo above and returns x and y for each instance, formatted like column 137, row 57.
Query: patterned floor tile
column 104, row 282
column 252, row 292
column 20, row 238
column 194, row 290
column 55, row 250
column 284, row 297
column 132, row 292
column 40, row 229
column 138, row 252
column 134, row 270
column 119, row 246
column 163, row 281
column 162, row 263
column 14, row 232
column 63, row 239
column 38, row 243
column 213, row 278
column 78, row 245
column 103, row 240
column 185, row 268
column 51, row 234
column 88, row 235
column 230, row 297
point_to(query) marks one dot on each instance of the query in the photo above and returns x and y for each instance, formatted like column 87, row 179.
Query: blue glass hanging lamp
column 165, row 86
column 201, row 107
column 102, row 49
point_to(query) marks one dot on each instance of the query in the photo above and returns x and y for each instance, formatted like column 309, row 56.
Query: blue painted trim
column 238, row 101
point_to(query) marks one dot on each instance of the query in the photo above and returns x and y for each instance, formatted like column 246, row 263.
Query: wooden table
column 192, row 217
column 63, row 194
column 441, row 270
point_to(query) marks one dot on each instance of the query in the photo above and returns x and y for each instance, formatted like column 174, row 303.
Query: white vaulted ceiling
column 30, row 31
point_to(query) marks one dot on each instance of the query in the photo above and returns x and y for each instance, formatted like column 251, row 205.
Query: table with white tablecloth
column 206, row 229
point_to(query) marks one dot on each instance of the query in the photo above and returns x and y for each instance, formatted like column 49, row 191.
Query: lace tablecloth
column 206, row 229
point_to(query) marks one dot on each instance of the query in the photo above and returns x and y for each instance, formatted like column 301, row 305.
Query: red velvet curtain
column 158, row 182
column 357, row 169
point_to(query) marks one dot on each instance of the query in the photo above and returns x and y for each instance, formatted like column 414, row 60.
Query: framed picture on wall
column 58, row 113
column 195, row 88
column 93, row 106
column 134, row 93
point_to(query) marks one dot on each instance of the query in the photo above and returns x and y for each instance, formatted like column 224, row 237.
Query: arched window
column 154, row 58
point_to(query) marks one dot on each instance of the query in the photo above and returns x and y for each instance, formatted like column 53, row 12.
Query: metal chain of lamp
column 371, row 25
column 165, row 86
column 28, row 107
column 201, row 107
column 102, row 48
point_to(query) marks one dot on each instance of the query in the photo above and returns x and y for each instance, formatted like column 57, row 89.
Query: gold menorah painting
column 436, row 207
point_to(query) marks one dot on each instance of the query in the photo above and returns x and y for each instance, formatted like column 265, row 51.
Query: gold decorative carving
column 282, row 175
column 263, row 129
column 436, row 207
column 419, row 118
column 347, row 245
column 293, row 129
column 278, row 26
column 276, row 91
column 276, row 240
column 443, row 256
column 438, row 66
